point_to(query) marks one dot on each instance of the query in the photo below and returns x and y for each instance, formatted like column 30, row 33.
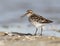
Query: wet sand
column 28, row 40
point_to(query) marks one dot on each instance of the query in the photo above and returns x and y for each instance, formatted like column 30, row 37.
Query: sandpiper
column 36, row 20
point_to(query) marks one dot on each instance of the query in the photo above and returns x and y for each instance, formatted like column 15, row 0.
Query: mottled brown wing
column 39, row 19
column 44, row 20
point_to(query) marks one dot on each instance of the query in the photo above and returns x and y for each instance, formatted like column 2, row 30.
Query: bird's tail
column 50, row 21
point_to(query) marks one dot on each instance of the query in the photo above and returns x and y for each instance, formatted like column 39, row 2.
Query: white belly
column 36, row 24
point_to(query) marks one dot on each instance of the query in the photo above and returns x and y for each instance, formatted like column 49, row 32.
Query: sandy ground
column 17, row 40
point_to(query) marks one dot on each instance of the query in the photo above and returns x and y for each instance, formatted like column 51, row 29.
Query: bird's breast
column 36, row 24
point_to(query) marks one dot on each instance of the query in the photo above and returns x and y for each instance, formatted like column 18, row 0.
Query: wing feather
column 39, row 19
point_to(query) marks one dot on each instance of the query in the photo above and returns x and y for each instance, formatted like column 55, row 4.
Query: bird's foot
column 35, row 34
column 40, row 34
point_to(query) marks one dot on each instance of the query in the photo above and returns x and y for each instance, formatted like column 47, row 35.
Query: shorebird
column 36, row 20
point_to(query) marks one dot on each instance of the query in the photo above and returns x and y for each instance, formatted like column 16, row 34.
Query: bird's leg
column 36, row 31
column 41, row 30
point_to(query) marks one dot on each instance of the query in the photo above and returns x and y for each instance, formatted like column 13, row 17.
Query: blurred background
column 12, row 10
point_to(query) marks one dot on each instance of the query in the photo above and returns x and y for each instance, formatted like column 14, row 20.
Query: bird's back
column 39, row 19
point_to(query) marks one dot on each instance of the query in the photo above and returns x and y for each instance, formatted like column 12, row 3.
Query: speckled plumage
column 39, row 19
column 36, row 20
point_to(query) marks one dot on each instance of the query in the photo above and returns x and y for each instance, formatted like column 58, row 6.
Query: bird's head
column 29, row 13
